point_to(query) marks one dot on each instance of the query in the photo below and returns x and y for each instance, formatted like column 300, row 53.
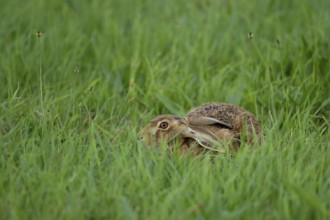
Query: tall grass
column 73, row 100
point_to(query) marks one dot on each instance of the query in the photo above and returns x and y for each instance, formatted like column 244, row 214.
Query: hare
column 213, row 126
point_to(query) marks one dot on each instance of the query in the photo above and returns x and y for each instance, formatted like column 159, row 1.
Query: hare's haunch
column 213, row 126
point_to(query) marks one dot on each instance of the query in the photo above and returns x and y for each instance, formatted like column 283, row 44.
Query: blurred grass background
column 72, row 101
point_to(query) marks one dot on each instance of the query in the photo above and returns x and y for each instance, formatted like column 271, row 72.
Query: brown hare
column 213, row 126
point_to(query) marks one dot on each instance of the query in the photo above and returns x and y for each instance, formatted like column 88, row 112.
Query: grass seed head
column 38, row 33
column 250, row 35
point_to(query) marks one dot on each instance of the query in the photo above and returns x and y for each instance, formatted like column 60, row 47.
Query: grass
column 73, row 100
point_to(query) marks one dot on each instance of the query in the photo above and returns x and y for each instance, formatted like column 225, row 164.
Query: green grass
column 73, row 100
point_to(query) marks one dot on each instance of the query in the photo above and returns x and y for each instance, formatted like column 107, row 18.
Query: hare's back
column 222, row 111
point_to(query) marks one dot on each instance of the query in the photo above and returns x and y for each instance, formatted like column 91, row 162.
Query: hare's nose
column 139, row 136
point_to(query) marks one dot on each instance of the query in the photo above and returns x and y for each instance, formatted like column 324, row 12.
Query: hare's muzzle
column 139, row 136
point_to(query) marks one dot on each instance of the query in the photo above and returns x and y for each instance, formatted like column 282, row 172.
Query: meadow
column 79, row 79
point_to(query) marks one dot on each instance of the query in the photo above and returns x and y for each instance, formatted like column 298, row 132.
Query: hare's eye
column 163, row 125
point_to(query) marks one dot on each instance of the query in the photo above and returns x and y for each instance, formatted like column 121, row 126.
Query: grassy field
column 73, row 100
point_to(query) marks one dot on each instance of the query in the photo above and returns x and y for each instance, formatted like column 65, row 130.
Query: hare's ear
column 204, row 138
column 203, row 120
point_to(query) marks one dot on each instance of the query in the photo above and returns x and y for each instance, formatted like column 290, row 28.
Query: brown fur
column 239, row 118
column 233, row 125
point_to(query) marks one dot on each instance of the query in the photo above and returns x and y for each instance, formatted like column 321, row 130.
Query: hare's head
column 204, row 131
column 165, row 128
